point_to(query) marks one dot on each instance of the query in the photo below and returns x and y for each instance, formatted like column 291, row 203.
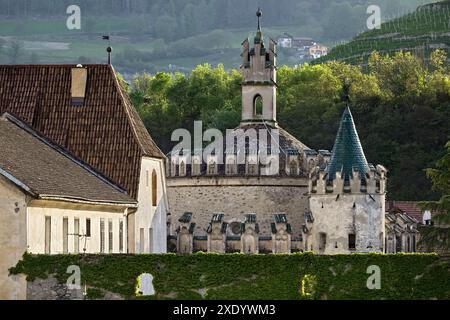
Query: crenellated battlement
column 371, row 182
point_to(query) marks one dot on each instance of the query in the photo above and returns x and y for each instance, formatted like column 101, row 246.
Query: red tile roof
column 410, row 207
column 105, row 132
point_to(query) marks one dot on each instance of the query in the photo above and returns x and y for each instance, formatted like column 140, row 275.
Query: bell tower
column 259, row 79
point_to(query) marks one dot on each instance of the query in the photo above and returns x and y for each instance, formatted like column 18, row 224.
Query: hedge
column 255, row 277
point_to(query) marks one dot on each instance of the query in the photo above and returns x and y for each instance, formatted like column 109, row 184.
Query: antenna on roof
column 109, row 48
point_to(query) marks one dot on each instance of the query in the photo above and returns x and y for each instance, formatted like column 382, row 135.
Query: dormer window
column 174, row 169
column 230, row 167
column 195, row 167
column 252, row 165
column 293, row 168
column 182, row 169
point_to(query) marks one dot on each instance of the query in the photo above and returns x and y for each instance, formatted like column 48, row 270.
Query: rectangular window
column 110, row 235
column 414, row 243
column 88, row 227
column 150, row 240
column 141, row 240
column 102, row 235
column 322, row 241
column 121, row 236
column 76, row 235
column 65, row 235
column 48, row 234
column 351, row 241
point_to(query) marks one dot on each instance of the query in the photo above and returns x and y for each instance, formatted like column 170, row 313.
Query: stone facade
column 236, row 197
column 401, row 232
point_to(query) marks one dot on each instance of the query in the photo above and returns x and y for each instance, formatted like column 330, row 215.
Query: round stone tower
column 261, row 171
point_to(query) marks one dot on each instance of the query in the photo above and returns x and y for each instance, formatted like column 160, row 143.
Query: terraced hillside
column 422, row 31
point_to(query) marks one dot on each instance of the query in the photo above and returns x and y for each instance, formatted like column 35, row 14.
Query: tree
column 437, row 235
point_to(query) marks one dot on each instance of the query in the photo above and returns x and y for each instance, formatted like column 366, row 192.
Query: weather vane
column 109, row 48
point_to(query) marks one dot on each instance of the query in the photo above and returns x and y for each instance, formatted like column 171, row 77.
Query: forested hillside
column 401, row 109
column 420, row 32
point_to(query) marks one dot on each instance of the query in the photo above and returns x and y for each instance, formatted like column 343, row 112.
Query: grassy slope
column 421, row 31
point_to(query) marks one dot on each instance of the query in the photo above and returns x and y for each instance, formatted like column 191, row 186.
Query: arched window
column 258, row 105
column 154, row 188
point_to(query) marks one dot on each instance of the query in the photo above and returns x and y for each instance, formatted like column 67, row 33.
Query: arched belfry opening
column 258, row 106
column 259, row 78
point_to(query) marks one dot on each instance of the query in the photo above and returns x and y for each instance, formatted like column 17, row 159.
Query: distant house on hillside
column 306, row 48
column 317, row 51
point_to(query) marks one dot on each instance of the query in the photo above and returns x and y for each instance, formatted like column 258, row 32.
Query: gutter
column 88, row 201
column 18, row 183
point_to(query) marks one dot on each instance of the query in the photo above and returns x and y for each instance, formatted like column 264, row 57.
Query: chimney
column 78, row 90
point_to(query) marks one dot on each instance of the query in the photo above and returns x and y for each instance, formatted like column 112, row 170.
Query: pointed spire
column 347, row 151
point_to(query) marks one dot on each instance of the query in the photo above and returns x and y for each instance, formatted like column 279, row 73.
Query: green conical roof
column 347, row 151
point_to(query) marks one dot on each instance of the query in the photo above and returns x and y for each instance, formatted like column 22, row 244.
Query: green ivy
column 238, row 276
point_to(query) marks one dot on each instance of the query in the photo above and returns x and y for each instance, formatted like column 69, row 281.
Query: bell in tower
column 259, row 79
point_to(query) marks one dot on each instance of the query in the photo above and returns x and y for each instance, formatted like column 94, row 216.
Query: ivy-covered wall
column 237, row 276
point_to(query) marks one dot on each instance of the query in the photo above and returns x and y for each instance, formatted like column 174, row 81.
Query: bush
column 238, row 276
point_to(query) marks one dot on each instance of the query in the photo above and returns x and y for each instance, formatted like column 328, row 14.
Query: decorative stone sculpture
column 185, row 233
column 217, row 234
column 250, row 235
column 281, row 234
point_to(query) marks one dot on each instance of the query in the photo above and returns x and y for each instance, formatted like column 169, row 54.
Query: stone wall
column 51, row 289
column 337, row 217
column 236, row 196
column 13, row 240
